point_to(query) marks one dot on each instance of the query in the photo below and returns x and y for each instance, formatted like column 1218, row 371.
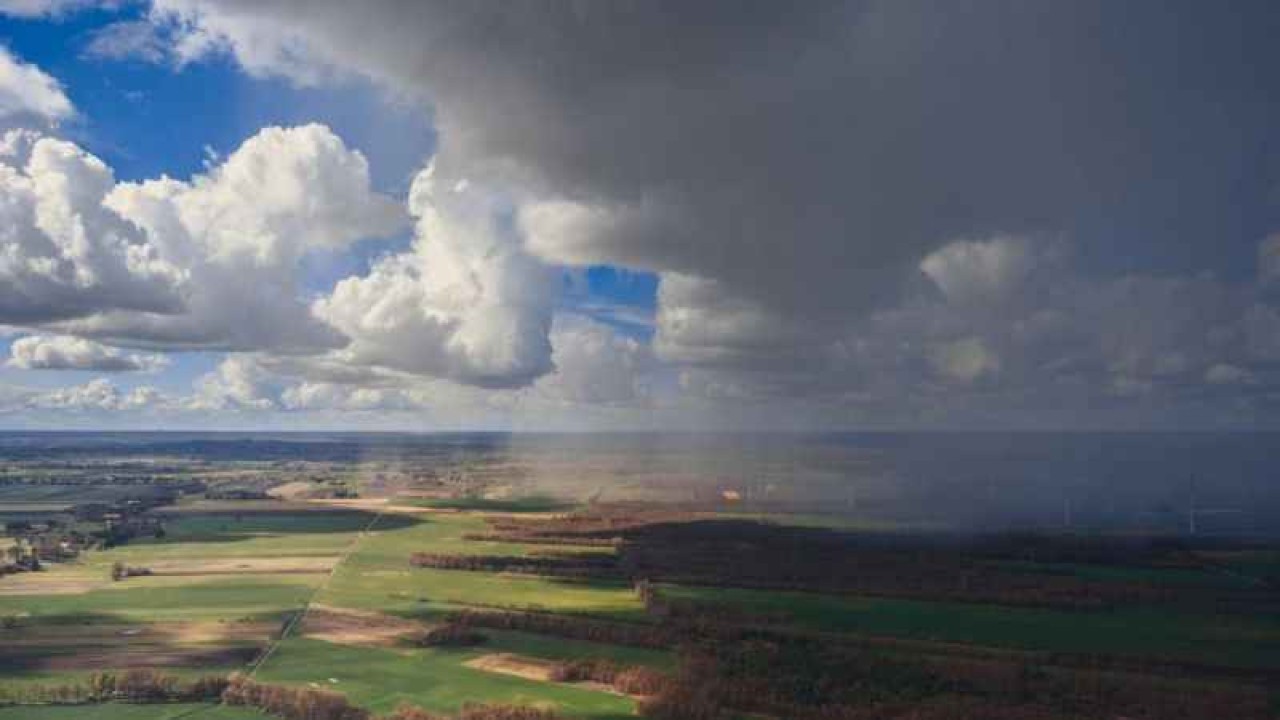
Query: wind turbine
column 1191, row 506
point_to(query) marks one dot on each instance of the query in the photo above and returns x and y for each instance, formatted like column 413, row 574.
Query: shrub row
column 291, row 703
column 630, row 680
column 574, row 628
column 138, row 686
column 451, row 635
column 563, row 565
column 541, row 539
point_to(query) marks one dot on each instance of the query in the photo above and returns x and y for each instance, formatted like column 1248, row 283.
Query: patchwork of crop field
column 435, row 679
column 322, row 595
column 220, row 588
column 223, row 581
column 377, row 576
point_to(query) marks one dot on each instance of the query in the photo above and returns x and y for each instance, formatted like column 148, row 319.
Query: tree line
column 566, row 565
column 138, row 686
column 626, row 679
column 1008, row 569
column 145, row 686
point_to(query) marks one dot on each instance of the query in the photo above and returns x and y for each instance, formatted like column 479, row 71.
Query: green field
column 554, row 648
column 1241, row 640
column 1179, row 577
column 378, row 576
column 197, row 538
column 228, row 526
column 162, row 598
column 373, row 577
column 431, row 678
column 250, row 535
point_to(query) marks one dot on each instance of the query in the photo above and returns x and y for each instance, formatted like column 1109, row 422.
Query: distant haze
column 1116, row 482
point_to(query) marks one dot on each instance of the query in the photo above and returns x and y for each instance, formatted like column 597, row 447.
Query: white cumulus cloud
column 240, row 232
column 62, row 253
column 594, row 365
column 27, row 91
column 976, row 270
column 63, row 352
column 99, row 394
column 332, row 396
column 467, row 303
column 238, row 383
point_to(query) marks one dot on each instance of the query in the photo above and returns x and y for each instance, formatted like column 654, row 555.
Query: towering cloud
column 803, row 160
column 62, row 254
column 594, row 366
column 240, row 231
column 823, row 145
column 466, row 303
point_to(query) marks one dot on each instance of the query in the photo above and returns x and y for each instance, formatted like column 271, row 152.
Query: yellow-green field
column 327, row 596
column 377, row 576
column 435, row 679
column 227, row 582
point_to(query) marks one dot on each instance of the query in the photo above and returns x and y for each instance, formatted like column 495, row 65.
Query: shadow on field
column 230, row 526
column 99, row 641
column 83, row 617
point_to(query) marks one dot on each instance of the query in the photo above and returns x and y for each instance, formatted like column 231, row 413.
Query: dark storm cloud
column 868, row 202
column 809, row 154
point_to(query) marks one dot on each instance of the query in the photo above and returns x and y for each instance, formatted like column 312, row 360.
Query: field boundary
column 301, row 614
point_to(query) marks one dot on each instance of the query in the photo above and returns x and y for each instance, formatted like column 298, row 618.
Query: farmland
column 600, row 610
column 1232, row 640
column 437, row 680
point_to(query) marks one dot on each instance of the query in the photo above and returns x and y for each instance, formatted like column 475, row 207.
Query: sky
column 834, row 215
